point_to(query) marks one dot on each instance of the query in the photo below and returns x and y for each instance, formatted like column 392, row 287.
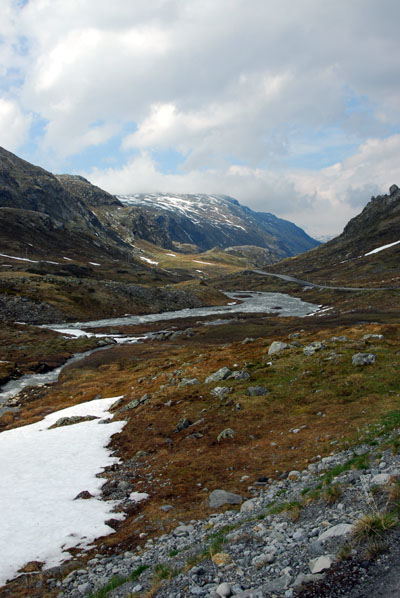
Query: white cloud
column 14, row 125
column 269, row 89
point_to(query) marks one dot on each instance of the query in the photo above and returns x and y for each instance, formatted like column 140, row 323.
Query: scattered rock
column 183, row 424
column 221, row 374
column 321, row 563
column 70, row 421
column 277, row 347
column 363, row 359
column 218, row 498
column 313, row 348
column 227, row 433
column 221, row 392
column 257, row 391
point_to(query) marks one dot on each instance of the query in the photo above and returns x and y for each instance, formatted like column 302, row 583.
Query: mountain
column 366, row 251
column 201, row 222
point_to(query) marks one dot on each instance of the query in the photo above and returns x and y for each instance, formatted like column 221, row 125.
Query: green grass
column 117, row 581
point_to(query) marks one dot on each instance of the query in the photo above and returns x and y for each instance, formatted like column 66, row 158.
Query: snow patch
column 378, row 249
column 146, row 259
column 42, row 471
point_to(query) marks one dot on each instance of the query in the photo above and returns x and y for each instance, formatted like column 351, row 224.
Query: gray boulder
column 313, row 348
column 363, row 359
column 218, row 498
column 221, row 392
column 277, row 347
column 221, row 374
column 257, row 391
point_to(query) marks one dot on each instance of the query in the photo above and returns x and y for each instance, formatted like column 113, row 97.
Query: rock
column 131, row 405
column 377, row 337
column 380, row 479
column 221, row 392
column 339, row 339
column 224, row 590
column 363, row 359
column 313, row 348
column 277, row 347
column 166, row 508
column 248, row 340
column 84, row 495
column 257, row 391
column 221, row 374
column 304, row 578
column 218, row 498
column 227, row 433
column 337, row 531
column 293, row 475
column 221, row 559
column 188, row 382
column 183, row 424
column 263, row 559
column 248, row 506
column 70, row 421
column 84, row 588
column 279, row 584
column 321, row 563
column 239, row 375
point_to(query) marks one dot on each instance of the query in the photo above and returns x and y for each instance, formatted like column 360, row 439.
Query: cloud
column 292, row 107
column 14, row 125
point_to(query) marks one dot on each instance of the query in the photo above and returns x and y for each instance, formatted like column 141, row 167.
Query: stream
column 241, row 302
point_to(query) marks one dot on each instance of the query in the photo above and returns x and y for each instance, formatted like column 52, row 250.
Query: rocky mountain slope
column 202, row 222
column 366, row 251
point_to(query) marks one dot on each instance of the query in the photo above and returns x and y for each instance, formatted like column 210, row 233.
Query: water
column 242, row 302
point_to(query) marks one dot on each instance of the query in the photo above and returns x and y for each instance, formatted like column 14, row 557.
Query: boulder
column 218, row 498
column 313, row 348
column 257, row 391
column 221, row 392
column 277, row 347
column 363, row 359
column 321, row 563
column 337, row 531
column 221, row 374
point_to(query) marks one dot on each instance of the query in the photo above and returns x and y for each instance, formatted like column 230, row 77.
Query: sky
column 290, row 106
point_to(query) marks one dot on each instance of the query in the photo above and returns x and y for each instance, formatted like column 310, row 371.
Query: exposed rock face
column 90, row 194
column 207, row 221
column 376, row 226
column 28, row 187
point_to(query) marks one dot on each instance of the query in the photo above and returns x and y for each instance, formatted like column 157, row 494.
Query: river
column 241, row 302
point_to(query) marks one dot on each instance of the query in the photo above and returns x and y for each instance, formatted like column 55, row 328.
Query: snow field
column 42, row 471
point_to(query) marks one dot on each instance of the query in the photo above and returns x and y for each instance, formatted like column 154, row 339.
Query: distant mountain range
column 201, row 222
column 34, row 202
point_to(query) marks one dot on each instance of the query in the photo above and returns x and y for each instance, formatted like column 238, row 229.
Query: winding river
column 240, row 302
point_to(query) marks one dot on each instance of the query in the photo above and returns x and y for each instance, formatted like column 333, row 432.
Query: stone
column 313, row 348
column 337, row 531
column 224, row 590
column 218, row 498
column 221, row 559
column 377, row 337
column 84, row 588
column 277, row 347
column 363, row 359
column 70, row 421
column 248, row 506
column 380, row 479
column 293, row 475
column 239, row 375
column 248, row 340
column 304, row 578
column 257, row 391
column 221, row 374
column 183, row 424
column 279, row 584
column 221, row 392
column 188, row 382
column 227, row 433
column 84, row 495
column 338, row 339
column 321, row 563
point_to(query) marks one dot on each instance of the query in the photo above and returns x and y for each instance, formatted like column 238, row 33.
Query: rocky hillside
column 201, row 222
column 366, row 251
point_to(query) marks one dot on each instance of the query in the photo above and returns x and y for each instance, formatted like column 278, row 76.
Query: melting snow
column 42, row 471
column 146, row 259
column 207, row 263
column 378, row 249
column 171, row 254
column 21, row 259
column 94, row 264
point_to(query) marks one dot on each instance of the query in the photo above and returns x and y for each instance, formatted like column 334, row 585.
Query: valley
column 221, row 367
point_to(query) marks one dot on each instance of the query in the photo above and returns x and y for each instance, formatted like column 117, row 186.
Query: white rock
column 276, row 347
column 321, row 563
column 337, row 531
column 380, row 479
column 224, row 590
column 247, row 506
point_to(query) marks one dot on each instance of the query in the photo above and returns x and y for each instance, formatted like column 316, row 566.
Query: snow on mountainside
column 208, row 221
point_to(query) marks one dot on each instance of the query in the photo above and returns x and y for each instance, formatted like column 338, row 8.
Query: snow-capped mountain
column 207, row 221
